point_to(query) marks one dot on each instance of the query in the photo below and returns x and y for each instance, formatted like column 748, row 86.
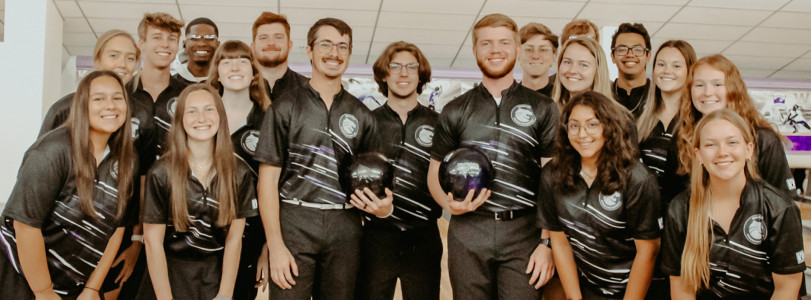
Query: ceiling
column 765, row 38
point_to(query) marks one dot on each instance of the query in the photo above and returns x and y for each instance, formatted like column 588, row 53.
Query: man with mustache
column 313, row 232
column 271, row 44
column 198, row 49
column 630, row 51
column 495, row 248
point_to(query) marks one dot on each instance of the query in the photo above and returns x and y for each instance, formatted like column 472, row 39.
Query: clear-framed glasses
column 411, row 67
column 544, row 50
column 197, row 38
column 326, row 47
column 592, row 127
column 623, row 50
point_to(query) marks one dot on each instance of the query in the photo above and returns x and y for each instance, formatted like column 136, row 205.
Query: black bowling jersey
column 45, row 197
column 409, row 146
column 162, row 110
column 765, row 237
column 547, row 90
column 140, row 118
column 202, row 237
column 660, row 153
column 310, row 143
column 514, row 135
column 635, row 102
column 772, row 164
column 246, row 138
column 288, row 81
column 602, row 228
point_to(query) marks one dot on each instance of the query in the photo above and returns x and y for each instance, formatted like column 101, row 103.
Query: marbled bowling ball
column 368, row 170
column 465, row 169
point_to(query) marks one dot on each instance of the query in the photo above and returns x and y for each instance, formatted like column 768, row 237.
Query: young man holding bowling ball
column 401, row 239
column 313, row 232
column 495, row 248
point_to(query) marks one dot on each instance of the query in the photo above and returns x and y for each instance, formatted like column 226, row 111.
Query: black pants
column 252, row 241
column 130, row 287
column 487, row 258
column 387, row 253
column 326, row 247
column 190, row 279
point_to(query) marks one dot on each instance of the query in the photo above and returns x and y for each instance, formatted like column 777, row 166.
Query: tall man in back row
column 630, row 51
column 495, row 248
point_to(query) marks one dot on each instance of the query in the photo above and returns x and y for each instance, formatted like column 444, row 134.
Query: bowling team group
column 225, row 178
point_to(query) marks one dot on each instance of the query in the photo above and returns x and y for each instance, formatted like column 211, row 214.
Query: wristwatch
column 547, row 242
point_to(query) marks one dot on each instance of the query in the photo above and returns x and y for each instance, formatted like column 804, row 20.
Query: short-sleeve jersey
column 772, row 164
column 514, row 135
column 202, row 237
column 602, row 228
column 311, row 143
column 162, row 110
column 765, row 237
column 660, row 153
column 635, row 101
column 45, row 197
column 409, row 146
column 288, row 81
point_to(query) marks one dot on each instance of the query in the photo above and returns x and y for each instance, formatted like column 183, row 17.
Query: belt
column 507, row 215
column 322, row 206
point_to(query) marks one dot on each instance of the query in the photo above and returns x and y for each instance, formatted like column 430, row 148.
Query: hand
column 48, row 294
column 130, row 257
column 467, row 205
column 541, row 266
column 88, row 294
column 282, row 265
column 262, row 269
column 376, row 206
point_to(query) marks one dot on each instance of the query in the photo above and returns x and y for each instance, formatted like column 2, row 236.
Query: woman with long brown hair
column 64, row 221
column 600, row 204
column 715, row 83
column 197, row 197
column 745, row 236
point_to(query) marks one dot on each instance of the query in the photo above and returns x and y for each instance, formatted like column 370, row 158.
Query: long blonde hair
column 695, row 259
column 602, row 81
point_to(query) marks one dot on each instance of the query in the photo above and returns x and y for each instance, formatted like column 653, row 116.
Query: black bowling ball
column 368, row 170
column 465, row 169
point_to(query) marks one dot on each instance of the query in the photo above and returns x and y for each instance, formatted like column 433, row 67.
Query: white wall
column 31, row 60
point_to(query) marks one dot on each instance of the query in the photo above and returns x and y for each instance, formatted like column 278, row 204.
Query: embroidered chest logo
column 610, row 202
column 754, row 229
column 171, row 106
column 424, row 135
column 348, row 125
column 136, row 126
column 523, row 115
column 249, row 140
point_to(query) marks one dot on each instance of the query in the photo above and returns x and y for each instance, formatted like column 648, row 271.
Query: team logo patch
column 136, row 126
column 349, row 125
column 114, row 170
column 800, row 256
column 754, row 230
column 424, row 135
column 611, row 202
column 791, row 184
column 254, row 204
column 171, row 106
column 249, row 140
column 523, row 115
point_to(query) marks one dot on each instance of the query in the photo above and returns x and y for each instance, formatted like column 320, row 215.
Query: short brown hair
column 532, row 29
column 579, row 27
column 381, row 66
column 159, row 20
column 495, row 20
column 338, row 24
column 269, row 18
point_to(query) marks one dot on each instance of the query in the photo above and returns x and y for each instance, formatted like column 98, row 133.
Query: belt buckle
column 507, row 215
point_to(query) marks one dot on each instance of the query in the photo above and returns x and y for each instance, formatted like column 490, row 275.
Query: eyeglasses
column 326, row 47
column 540, row 50
column 623, row 51
column 592, row 127
column 197, row 38
column 411, row 67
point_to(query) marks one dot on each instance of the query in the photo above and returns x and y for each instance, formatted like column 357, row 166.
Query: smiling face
column 630, row 63
column 200, row 49
column 708, row 91
column 723, row 151
column 669, row 70
column 537, row 56
column 107, row 107
column 118, row 56
column 235, row 73
column 495, row 51
column 159, row 46
column 201, row 120
column 577, row 68
column 331, row 63
column 403, row 83
column 271, row 45
column 585, row 132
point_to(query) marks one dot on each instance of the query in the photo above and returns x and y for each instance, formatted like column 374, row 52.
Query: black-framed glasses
column 591, row 127
column 623, row 50
column 411, row 67
column 326, row 47
column 197, row 38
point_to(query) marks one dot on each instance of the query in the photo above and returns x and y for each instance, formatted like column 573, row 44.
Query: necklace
column 587, row 175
